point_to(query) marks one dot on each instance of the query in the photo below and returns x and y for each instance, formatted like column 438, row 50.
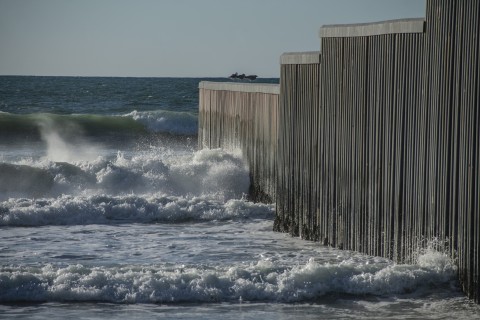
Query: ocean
column 109, row 210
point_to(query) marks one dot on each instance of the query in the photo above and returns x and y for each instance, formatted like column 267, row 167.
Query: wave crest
column 261, row 281
column 176, row 123
column 30, row 127
column 103, row 209
column 143, row 187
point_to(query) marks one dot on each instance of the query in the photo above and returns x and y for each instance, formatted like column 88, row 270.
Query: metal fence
column 244, row 116
column 372, row 102
column 452, row 142
column 374, row 143
column 297, row 144
column 392, row 159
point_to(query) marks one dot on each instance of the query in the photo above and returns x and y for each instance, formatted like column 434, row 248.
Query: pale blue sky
column 162, row 38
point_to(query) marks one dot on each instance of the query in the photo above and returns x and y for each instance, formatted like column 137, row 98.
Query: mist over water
column 59, row 149
column 107, row 208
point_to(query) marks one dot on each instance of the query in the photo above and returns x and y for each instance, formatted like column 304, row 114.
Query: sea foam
column 153, row 186
column 104, row 209
column 260, row 281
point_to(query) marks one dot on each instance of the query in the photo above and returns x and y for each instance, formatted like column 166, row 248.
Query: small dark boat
column 242, row 76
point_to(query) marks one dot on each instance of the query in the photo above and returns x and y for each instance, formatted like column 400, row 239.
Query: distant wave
column 262, row 281
column 32, row 126
column 176, row 123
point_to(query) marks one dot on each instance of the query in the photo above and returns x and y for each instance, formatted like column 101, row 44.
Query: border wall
column 378, row 137
column 243, row 116
column 298, row 141
column 372, row 114
column 452, row 143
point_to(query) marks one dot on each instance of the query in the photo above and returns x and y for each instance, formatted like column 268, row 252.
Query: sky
column 172, row 38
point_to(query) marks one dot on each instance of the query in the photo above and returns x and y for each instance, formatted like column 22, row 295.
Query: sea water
column 108, row 210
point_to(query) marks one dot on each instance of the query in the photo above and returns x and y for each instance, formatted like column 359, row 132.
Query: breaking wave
column 31, row 126
column 261, row 281
column 143, row 187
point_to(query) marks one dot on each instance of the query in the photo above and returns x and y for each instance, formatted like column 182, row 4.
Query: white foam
column 211, row 171
column 73, row 210
column 261, row 281
column 213, row 174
